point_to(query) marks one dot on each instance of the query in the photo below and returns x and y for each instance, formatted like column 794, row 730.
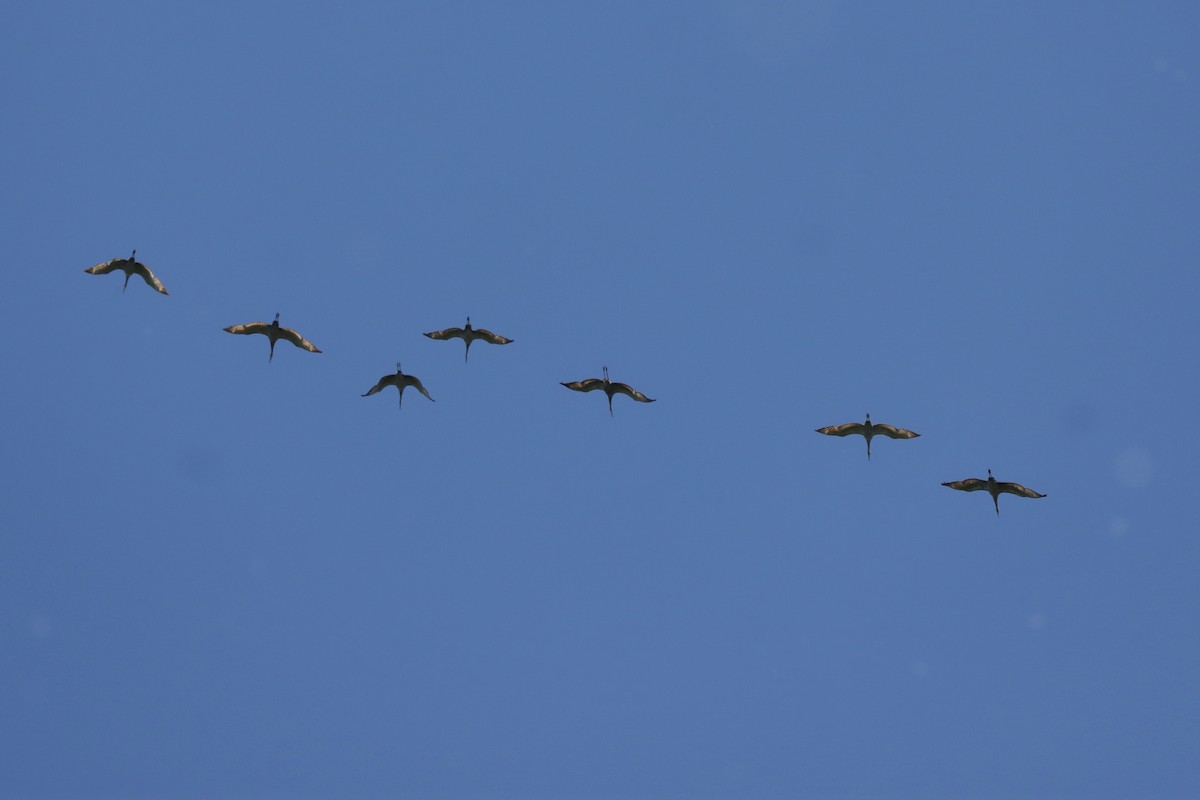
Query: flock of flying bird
column 274, row 332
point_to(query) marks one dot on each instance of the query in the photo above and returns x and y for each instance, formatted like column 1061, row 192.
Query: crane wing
column 1017, row 489
column 448, row 333
column 589, row 385
column 967, row 485
column 384, row 382
column 106, row 267
column 298, row 340
column 626, row 389
column 843, row 430
column 250, row 327
column 489, row 337
column 894, row 432
column 150, row 278
column 420, row 387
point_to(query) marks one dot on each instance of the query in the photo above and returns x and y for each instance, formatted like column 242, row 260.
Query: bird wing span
column 591, row 384
column 489, row 337
column 298, row 340
column 842, row 430
column 448, row 333
column 1017, row 489
column 249, row 327
column 626, row 389
column 150, row 278
column 894, row 432
column 968, row 485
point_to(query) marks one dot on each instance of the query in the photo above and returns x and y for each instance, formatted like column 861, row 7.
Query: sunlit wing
column 626, row 389
column 107, row 267
column 843, row 430
column 968, row 485
column 489, row 337
column 448, row 333
column 150, row 278
column 591, row 384
column 249, row 327
column 894, row 432
column 1017, row 489
column 298, row 340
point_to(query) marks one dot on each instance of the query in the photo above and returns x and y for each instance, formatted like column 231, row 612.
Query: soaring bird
column 399, row 380
column 993, row 487
column 468, row 335
column 610, row 388
column 129, row 266
column 868, row 429
column 273, row 332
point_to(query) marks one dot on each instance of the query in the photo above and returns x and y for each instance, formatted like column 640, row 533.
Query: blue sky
column 228, row 578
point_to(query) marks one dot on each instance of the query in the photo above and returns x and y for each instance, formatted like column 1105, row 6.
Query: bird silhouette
column 993, row 487
column 609, row 387
column 468, row 335
column 274, row 332
column 130, row 266
column 399, row 380
column 868, row 429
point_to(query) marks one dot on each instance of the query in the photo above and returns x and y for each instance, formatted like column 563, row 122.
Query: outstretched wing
column 298, row 340
column 420, row 387
column 448, row 333
column 106, row 267
column 968, row 485
column 626, row 389
column 843, row 430
column 591, row 384
column 249, row 327
column 894, row 432
column 149, row 277
column 489, row 337
column 1017, row 489
column 384, row 382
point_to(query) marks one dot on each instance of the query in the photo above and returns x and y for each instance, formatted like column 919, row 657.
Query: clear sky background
column 223, row 577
